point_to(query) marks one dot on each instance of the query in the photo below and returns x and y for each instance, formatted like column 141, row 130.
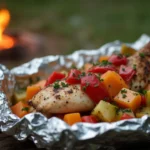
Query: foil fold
column 54, row 133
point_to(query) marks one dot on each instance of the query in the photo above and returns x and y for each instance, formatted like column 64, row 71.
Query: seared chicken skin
column 62, row 100
column 141, row 61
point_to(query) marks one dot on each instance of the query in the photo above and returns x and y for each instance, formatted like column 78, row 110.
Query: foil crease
column 53, row 133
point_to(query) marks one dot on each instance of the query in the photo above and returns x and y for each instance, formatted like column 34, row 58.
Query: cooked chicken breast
column 140, row 60
column 62, row 100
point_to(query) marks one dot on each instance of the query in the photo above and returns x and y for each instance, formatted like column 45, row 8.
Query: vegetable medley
column 106, row 83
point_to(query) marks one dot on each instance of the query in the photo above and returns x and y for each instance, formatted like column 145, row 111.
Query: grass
column 82, row 23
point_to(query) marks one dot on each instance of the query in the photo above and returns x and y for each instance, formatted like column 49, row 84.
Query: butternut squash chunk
column 102, row 58
column 31, row 91
column 72, row 118
column 113, row 82
column 20, row 109
column 128, row 99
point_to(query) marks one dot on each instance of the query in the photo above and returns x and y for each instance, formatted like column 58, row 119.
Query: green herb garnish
column 56, row 85
column 25, row 109
column 134, row 66
column 64, row 84
column 126, row 110
column 123, row 91
column 124, row 95
column 123, row 69
column 82, row 74
column 101, row 80
column 142, row 55
column 73, row 67
column 143, row 92
column 105, row 63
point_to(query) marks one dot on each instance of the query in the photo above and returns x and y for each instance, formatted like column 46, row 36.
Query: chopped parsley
column 64, row 84
column 123, row 69
column 105, row 63
column 73, row 67
column 123, row 91
column 143, row 92
column 142, row 55
column 124, row 95
column 134, row 66
column 84, row 88
column 101, row 80
column 82, row 74
column 56, row 85
column 119, row 55
column 96, row 64
column 25, row 109
column 126, row 110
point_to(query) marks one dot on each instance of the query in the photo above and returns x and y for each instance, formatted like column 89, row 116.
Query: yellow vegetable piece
column 121, row 112
column 113, row 82
column 126, row 50
column 147, row 98
column 143, row 111
column 72, row 118
column 102, row 58
column 128, row 99
column 105, row 111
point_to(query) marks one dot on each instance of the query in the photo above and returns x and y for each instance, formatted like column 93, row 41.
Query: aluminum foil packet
column 54, row 133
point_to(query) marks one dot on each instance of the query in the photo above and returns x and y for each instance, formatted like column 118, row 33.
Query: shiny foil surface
column 53, row 133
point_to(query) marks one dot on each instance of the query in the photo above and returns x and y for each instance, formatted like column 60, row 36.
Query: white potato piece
column 105, row 111
column 143, row 111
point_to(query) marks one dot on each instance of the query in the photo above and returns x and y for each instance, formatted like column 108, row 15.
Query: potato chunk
column 105, row 111
column 143, row 111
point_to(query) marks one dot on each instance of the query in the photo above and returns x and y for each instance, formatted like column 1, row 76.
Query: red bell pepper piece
column 118, row 60
column 93, row 87
column 126, row 72
column 126, row 116
column 101, row 69
column 73, row 76
column 90, row 119
column 54, row 77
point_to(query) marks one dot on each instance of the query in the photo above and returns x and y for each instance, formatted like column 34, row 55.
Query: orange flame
column 6, row 41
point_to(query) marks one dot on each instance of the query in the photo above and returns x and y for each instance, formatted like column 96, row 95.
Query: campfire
column 6, row 42
column 17, row 47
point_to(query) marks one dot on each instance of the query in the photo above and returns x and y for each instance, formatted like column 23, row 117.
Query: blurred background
column 63, row 26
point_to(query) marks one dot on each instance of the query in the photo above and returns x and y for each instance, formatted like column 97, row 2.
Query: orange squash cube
column 101, row 58
column 72, row 118
column 113, row 82
column 20, row 109
column 31, row 91
column 128, row 99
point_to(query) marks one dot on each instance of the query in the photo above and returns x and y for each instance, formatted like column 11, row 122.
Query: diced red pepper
column 126, row 72
column 73, row 76
column 90, row 119
column 126, row 116
column 118, row 60
column 101, row 69
column 143, row 100
column 54, row 77
column 93, row 87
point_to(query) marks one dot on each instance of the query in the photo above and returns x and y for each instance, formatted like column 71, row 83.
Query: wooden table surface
column 9, row 143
